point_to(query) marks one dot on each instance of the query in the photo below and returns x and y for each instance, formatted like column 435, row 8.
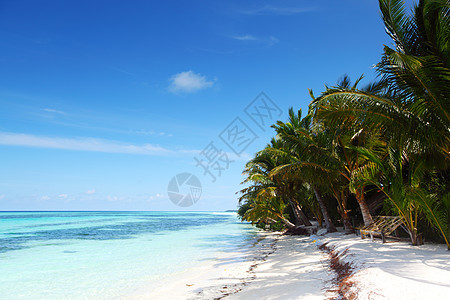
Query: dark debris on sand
column 343, row 274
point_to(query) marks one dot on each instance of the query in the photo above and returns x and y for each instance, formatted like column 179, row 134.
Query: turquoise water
column 107, row 255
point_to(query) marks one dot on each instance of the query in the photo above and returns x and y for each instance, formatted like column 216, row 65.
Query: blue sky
column 103, row 102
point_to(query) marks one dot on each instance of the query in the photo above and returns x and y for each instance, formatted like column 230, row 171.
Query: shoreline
column 244, row 274
column 293, row 267
column 232, row 270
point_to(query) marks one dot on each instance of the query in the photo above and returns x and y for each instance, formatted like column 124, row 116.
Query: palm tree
column 264, row 206
column 258, row 202
column 348, row 141
column 287, row 186
column 270, row 190
column 400, row 180
column 418, row 68
column 393, row 134
column 305, row 165
column 408, row 106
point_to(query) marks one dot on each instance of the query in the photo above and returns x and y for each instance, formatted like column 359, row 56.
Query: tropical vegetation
column 359, row 151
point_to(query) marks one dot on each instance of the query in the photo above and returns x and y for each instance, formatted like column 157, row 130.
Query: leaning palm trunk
column 305, row 219
column 288, row 223
column 323, row 208
column 285, row 221
column 300, row 218
column 367, row 217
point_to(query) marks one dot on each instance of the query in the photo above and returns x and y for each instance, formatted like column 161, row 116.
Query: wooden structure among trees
column 382, row 226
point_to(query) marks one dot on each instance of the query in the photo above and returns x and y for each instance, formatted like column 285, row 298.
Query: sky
column 104, row 103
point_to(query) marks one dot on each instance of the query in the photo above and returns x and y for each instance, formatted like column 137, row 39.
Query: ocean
column 108, row 255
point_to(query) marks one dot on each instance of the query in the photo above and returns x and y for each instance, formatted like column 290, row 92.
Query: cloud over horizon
column 188, row 82
column 81, row 144
column 90, row 144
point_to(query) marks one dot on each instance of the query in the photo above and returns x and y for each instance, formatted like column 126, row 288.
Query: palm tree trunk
column 346, row 219
column 319, row 219
column 323, row 208
column 342, row 209
column 304, row 217
column 416, row 238
column 288, row 223
column 348, row 225
column 300, row 218
column 367, row 217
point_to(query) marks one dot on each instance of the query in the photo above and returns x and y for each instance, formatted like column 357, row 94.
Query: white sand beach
column 292, row 267
column 296, row 270
column 396, row 270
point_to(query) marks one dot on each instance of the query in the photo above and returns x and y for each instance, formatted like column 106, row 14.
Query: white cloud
column 157, row 196
column 114, row 198
column 274, row 10
column 90, row 192
column 45, row 198
column 146, row 132
column 63, row 196
column 269, row 41
column 81, row 144
column 152, row 133
column 51, row 110
column 188, row 82
column 246, row 37
column 100, row 145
